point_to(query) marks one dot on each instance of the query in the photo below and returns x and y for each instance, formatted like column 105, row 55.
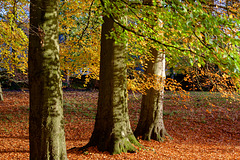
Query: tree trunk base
column 122, row 145
column 117, row 146
column 134, row 141
column 156, row 135
column 155, row 132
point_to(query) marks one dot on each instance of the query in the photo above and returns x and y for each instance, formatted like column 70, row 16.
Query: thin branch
column 204, row 44
column 88, row 22
column 149, row 38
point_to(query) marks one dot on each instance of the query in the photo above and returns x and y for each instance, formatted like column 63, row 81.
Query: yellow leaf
column 208, row 111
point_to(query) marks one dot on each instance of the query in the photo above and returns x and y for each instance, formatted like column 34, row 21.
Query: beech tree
column 150, row 125
column 112, row 131
column 46, row 125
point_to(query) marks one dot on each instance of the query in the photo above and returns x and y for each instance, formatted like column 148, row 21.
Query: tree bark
column 46, row 124
column 1, row 94
column 68, row 79
column 112, row 131
column 150, row 125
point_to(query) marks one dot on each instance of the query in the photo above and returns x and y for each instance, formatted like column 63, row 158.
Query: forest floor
column 203, row 125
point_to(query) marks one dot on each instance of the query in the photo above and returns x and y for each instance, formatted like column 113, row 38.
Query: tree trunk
column 112, row 131
column 68, row 78
column 150, row 125
column 46, row 124
column 1, row 94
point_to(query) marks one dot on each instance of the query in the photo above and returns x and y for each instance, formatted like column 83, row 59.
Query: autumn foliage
column 199, row 39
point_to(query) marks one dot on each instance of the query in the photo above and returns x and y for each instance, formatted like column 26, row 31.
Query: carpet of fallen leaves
column 203, row 126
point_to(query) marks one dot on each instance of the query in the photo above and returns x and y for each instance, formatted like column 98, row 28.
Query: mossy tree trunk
column 46, row 124
column 112, row 131
column 150, row 125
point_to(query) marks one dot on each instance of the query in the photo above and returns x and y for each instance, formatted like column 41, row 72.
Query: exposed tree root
column 122, row 145
column 157, row 133
column 134, row 141
column 116, row 146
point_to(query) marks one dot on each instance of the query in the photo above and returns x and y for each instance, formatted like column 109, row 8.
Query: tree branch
column 88, row 22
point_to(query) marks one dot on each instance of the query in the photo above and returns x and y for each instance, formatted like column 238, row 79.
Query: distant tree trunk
column 150, row 125
column 68, row 79
column 1, row 94
column 46, row 124
column 112, row 131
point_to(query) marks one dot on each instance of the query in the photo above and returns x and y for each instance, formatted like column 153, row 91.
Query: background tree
column 46, row 124
column 1, row 95
column 179, row 35
column 150, row 125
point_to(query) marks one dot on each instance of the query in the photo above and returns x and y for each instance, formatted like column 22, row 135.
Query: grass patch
column 170, row 113
column 84, row 109
column 7, row 117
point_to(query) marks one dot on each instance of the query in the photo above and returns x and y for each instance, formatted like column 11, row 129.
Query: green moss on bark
column 112, row 131
column 122, row 145
column 46, row 126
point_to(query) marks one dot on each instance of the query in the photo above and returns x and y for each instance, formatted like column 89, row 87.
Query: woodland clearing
column 203, row 125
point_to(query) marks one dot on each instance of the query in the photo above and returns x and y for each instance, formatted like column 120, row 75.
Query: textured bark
column 150, row 125
column 46, row 125
column 1, row 95
column 112, row 131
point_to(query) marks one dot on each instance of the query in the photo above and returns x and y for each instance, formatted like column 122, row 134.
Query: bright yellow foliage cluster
column 80, row 29
column 13, row 37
